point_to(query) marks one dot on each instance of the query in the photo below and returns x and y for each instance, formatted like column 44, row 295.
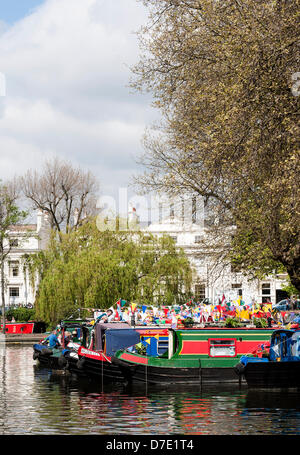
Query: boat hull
column 272, row 375
column 101, row 369
column 50, row 358
column 175, row 375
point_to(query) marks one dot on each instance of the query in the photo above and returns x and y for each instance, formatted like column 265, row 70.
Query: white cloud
column 67, row 88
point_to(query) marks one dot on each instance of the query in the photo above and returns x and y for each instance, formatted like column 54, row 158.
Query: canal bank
column 23, row 338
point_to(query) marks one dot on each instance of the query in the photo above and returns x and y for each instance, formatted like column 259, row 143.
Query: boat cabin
column 285, row 346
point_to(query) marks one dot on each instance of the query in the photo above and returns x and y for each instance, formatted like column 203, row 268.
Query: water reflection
column 35, row 401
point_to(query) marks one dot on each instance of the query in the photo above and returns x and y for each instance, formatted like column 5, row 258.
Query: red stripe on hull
column 133, row 358
column 83, row 352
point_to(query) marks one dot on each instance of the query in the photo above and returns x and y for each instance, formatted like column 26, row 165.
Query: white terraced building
column 23, row 239
column 211, row 279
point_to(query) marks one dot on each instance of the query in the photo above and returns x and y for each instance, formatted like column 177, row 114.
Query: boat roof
column 101, row 328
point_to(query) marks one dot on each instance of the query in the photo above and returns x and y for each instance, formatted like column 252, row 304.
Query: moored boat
column 279, row 368
column 105, row 339
column 194, row 356
column 23, row 327
column 53, row 357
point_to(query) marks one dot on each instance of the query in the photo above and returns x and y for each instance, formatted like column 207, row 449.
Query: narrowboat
column 280, row 368
column 53, row 357
column 23, row 327
column 100, row 344
column 194, row 356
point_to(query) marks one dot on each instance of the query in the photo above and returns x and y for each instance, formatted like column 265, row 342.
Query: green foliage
column 232, row 322
column 89, row 268
column 290, row 289
column 188, row 322
column 260, row 323
column 141, row 349
column 21, row 314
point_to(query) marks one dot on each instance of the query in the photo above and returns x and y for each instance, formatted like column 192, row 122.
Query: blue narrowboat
column 279, row 368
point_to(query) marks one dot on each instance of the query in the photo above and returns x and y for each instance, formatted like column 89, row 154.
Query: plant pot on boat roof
column 232, row 322
column 188, row 322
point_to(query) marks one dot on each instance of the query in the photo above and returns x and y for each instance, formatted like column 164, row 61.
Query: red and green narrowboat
column 194, row 356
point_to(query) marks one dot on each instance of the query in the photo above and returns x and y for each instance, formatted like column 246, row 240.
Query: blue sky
column 67, row 87
column 14, row 10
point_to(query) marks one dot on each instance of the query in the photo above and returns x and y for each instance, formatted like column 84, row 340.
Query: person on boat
column 110, row 315
column 52, row 339
column 67, row 338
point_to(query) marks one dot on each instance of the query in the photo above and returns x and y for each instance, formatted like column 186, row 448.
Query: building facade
column 23, row 239
column 212, row 276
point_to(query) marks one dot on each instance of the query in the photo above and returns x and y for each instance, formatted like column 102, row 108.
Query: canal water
column 36, row 402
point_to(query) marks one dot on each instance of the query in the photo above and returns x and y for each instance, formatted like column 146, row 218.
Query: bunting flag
column 223, row 299
column 144, row 308
column 133, row 307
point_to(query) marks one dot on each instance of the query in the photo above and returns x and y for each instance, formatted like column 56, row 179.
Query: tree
column 222, row 74
column 67, row 194
column 89, row 268
column 10, row 215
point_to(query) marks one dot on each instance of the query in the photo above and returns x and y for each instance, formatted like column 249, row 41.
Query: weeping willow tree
column 92, row 269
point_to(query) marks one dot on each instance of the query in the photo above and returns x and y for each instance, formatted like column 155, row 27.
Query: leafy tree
column 223, row 75
column 10, row 215
column 92, row 269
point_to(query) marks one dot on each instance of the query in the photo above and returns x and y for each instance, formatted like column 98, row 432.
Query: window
column 13, row 243
column 222, row 347
column 14, row 292
column 266, row 292
column 199, row 292
column 198, row 238
column 14, row 269
column 238, row 288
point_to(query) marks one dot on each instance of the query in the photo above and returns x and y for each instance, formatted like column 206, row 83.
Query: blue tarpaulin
column 120, row 339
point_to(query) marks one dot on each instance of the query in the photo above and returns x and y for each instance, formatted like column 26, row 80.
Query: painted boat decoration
column 53, row 357
column 279, row 368
column 100, row 344
column 194, row 356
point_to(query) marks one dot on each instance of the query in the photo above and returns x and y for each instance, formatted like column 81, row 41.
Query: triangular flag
column 133, row 307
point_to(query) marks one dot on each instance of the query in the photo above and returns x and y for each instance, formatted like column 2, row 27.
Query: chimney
column 39, row 220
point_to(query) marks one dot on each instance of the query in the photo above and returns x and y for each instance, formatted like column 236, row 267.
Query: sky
column 65, row 72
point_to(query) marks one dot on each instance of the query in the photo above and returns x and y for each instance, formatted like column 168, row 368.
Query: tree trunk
column 293, row 272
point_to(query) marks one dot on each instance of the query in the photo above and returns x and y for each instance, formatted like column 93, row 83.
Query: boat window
column 222, row 348
column 284, row 346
